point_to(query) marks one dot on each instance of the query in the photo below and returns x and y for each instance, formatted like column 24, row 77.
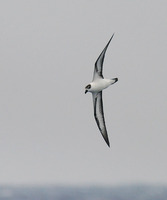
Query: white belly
column 100, row 85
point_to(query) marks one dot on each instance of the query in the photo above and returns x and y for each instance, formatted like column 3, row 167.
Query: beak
column 86, row 91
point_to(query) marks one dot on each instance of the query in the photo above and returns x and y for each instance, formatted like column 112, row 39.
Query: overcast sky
column 47, row 129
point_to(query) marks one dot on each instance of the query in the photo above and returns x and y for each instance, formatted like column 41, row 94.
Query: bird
column 98, row 84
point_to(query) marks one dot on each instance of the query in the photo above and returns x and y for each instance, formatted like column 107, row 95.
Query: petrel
column 98, row 84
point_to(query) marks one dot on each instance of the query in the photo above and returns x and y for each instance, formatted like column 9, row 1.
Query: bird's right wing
column 99, row 115
column 98, row 70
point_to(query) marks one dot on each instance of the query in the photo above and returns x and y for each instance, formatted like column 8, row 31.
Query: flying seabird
column 98, row 84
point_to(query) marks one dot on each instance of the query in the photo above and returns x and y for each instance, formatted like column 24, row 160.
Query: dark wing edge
column 99, row 115
column 98, row 70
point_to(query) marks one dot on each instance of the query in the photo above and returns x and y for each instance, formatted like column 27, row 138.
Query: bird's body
column 98, row 84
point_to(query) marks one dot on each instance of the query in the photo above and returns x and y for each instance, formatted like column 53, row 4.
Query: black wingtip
column 108, row 143
column 108, row 44
column 112, row 36
column 110, row 40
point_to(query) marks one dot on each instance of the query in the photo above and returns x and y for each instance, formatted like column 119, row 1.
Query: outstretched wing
column 99, row 115
column 98, row 70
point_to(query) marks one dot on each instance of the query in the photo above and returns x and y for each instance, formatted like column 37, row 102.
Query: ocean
column 126, row 192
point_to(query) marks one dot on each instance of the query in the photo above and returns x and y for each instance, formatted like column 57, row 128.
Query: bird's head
column 87, row 88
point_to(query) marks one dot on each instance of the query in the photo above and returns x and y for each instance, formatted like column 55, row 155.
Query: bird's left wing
column 98, row 70
column 99, row 115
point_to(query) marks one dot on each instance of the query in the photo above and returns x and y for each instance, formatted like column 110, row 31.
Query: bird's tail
column 113, row 80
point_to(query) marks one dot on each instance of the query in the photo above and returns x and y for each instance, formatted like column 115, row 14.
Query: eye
column 88, row 86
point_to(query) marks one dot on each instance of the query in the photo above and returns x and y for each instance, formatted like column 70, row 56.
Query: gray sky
column 47, row 130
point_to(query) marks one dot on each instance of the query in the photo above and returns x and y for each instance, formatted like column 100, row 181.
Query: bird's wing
column 99, row 115
column 98, row 70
